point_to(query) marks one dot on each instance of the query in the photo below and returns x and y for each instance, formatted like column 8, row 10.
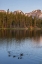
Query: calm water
column 20, row 47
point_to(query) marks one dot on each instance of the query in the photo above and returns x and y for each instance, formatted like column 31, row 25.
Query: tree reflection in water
column 19, row 35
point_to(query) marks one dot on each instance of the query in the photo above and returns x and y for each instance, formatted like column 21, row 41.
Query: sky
column 23, row 5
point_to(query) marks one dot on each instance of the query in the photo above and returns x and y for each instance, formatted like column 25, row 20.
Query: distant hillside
column 34, row 13
column 18, row 19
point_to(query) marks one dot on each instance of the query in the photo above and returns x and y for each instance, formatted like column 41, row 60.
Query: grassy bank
column 13, row 28
column 20, row 28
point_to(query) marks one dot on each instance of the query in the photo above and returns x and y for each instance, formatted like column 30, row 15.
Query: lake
column 20, row 47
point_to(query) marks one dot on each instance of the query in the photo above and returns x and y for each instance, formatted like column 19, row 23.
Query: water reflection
column 21, row 44
column 20, row 34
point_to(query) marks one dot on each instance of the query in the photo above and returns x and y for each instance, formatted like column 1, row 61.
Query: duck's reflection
column 9, row 54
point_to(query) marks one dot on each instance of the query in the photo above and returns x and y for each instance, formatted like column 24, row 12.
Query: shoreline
column 20, row 28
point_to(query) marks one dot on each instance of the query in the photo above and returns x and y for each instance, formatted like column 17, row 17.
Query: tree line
column 18, row 20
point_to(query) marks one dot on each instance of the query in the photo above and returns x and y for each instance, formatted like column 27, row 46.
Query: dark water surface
column 20, row 47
